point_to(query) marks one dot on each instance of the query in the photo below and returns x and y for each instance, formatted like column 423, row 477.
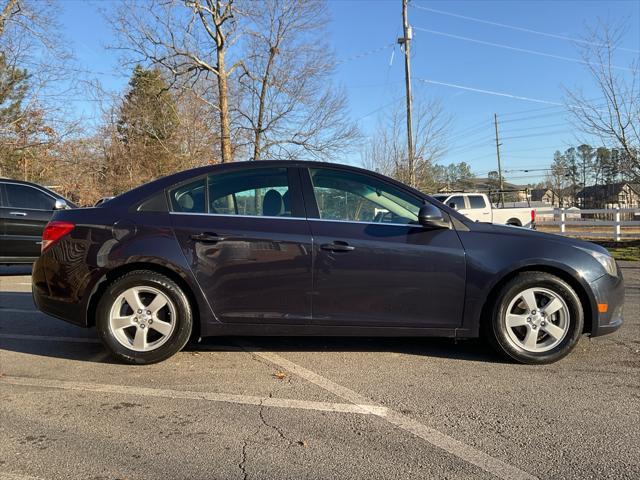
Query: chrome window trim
column 417, row 225
column 366, row 223
column 236, row 216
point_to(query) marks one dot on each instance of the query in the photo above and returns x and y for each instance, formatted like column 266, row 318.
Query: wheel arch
column 578, row 287
column 515, row 222
column 111, row 275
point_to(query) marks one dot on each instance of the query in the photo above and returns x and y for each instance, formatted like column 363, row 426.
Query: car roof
column 139, row 193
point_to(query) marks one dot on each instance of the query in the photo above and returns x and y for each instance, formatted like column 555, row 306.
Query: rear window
column 476, row 201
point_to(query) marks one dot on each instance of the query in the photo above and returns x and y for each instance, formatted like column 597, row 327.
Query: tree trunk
column 225, row 137
column 263, row 94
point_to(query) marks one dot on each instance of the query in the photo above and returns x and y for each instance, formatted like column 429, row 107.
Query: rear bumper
column 55, row 294
column 610, row 291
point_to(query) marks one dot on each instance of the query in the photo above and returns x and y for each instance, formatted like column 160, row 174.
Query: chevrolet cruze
column 304, row 248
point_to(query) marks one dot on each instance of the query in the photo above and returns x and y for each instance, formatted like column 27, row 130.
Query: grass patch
column 628, row 251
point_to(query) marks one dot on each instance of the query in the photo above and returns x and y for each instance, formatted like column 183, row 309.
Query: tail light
column 533, row 216
column 53, row 232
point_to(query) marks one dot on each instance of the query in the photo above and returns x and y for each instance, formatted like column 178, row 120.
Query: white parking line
column 450, row 445
column 191, row 395
column 45, row 338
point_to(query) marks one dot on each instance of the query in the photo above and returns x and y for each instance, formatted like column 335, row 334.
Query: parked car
column 305, row 248
column 25, row 209
column 478, row 207
column 101, row 201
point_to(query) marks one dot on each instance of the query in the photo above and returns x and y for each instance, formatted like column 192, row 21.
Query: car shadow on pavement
column 23, row 329
column 92, row 351
column 468, row 350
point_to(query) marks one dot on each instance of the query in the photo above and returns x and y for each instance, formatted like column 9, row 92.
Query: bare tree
column 288, row 106
column 387, row 150
column 189, row 40
column 31, row 47
column 614, row 118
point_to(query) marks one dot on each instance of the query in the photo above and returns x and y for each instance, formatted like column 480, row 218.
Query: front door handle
column 18, row 214
column 337, row 246
column 207, row 238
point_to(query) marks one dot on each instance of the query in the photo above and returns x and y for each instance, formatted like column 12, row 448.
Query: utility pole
column 495, row 120
column 405, row 42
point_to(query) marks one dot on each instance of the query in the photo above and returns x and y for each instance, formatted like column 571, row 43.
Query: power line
column 515, row 49
column 365, row 54
column 536, row 127
column 521, row 29
column 541, row 134
column 382, row 107
column 491, row 92
column 502, row 94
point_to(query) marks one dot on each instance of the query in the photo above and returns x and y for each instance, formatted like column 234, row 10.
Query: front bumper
column 610, row 291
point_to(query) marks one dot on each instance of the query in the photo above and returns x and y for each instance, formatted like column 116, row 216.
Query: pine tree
column 13, row 89
column 148, row 112
column 146, row 129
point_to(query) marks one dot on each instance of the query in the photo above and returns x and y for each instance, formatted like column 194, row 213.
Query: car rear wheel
column 144, row 317
column 537, row 318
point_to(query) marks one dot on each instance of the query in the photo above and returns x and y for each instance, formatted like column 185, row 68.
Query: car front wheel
column 537, row 318
column 144, row 317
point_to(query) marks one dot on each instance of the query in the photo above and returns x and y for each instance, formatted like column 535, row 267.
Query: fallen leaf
column 280, row 375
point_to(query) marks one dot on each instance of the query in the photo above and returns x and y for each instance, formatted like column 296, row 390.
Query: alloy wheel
column 537, row 320
column 142, row 318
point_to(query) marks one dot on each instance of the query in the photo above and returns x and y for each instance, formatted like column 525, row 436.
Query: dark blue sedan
column 302, row 248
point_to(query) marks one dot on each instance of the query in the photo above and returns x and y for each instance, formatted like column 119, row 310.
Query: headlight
column 607, row 261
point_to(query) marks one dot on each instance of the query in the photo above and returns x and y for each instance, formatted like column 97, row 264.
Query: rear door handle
column 18, row 214
column 337, row 246
column 207, row 238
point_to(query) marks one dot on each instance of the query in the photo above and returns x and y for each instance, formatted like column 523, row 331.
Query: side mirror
column 60, row 204
column 431, row 216
column 453, row 205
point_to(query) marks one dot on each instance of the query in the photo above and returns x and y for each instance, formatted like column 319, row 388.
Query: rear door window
column 262, row 192
column 476, row 201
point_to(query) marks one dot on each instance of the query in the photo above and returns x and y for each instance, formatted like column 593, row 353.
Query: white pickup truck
column 478, row 207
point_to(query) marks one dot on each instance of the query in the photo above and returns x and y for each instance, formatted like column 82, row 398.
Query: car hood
column 529, row 233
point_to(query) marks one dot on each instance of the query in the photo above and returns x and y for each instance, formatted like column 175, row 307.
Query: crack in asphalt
column 248, row 440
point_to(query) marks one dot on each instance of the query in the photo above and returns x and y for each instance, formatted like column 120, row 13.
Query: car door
column 3, row 214
column 26, row 211
column 245, row 235
column 373, row 263
column 478, row 209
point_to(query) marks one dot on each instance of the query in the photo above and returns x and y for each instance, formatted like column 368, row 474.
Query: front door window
column 352, row 197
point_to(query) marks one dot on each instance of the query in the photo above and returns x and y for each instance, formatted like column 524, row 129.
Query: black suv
column 25, row 209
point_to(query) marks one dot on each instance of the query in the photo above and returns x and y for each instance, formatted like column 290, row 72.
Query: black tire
column 496, row 328
column 514, row 222
column 176, row 339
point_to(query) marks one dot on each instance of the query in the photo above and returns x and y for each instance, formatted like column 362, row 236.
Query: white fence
column 616, row 223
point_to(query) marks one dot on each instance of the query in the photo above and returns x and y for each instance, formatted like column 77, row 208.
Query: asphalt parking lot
column 317, row 408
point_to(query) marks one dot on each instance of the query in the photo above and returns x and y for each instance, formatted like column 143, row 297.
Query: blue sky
column 374, row 80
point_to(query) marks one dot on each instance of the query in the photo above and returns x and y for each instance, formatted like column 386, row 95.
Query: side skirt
column 333, row 331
